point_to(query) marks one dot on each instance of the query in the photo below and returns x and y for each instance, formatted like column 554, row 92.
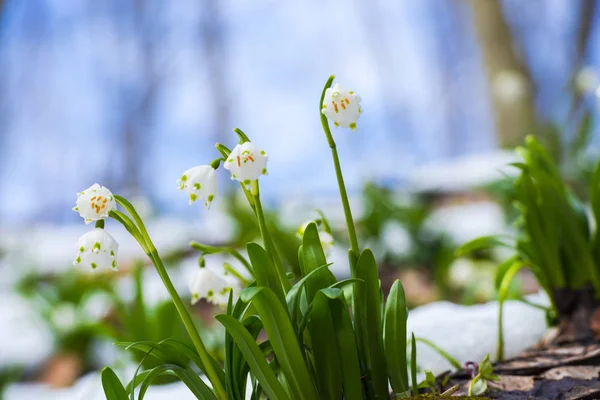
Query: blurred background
column 130, row 93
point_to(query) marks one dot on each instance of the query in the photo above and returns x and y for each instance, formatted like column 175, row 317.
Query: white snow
column 468, row 333
column 465, row 172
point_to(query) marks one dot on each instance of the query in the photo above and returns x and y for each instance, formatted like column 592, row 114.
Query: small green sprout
column 485, row 373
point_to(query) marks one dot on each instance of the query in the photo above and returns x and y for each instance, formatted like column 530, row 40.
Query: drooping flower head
column 97, row 249
column 200, row 183
column 246, row 162
column 341, row 106
column 208, row 285
column 94, row 203
column 325, row 237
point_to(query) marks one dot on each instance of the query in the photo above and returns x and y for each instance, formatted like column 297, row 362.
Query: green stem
column 270, row 247
column 209, row 366
column 223, row 249
column 472, row 384
column 148, row 246
column 229, row 269
column 339, row 176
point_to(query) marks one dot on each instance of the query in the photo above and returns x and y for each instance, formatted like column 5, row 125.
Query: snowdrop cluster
column 246, row 163
column 97, row 248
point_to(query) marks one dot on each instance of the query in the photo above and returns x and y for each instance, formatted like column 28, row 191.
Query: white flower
column 95, row 203
column 325, row 238
column 246, row 163
column 206, row 284
column 342, row 106
column 200, row 183
column 97, row 249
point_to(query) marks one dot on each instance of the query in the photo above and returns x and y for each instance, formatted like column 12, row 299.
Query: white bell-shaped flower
column 341, row 106
column 215, row 288
column 95, row 203
column 246, row 162
column 97, row 249
column 200, row 183
column 325, row 238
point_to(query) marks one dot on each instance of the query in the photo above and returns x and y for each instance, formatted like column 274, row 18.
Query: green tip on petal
column 193, row 197
column 93, row 265
column 197, row 186
column 210, row 293
column 183, row 178
column 210, row 198
column 353, row 126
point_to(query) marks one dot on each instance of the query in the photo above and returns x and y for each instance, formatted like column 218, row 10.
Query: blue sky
column 73, row 72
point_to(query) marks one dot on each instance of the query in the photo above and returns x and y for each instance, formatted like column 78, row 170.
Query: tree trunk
column 511, row 87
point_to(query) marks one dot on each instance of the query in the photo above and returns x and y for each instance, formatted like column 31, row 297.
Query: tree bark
column 511, row 87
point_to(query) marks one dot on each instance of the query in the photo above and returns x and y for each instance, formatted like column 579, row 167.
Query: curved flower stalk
column 97, row 247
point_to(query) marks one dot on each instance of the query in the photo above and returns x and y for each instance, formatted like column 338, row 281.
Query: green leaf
column 395, row 338
column 254, row 357
column 264, row 270
column 279, row 329
column 113, row 388
column 371, row 302
column 313, row 257
column 453, row 361
column 186, row 375
column 502, row 268
column 347, row 346
column 293, row 295
column 325, row 350
column 481, row 243
column 502, row 294
column 413, row 365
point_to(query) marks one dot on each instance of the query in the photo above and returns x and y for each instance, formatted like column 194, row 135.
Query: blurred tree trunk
column 511, row 87
column 586, row 20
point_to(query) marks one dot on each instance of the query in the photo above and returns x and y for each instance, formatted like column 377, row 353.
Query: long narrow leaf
column 325, row 350
column 112, row 386
column 395, row 338
column 372, row 325
column 254, row 357
column 279, row 329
